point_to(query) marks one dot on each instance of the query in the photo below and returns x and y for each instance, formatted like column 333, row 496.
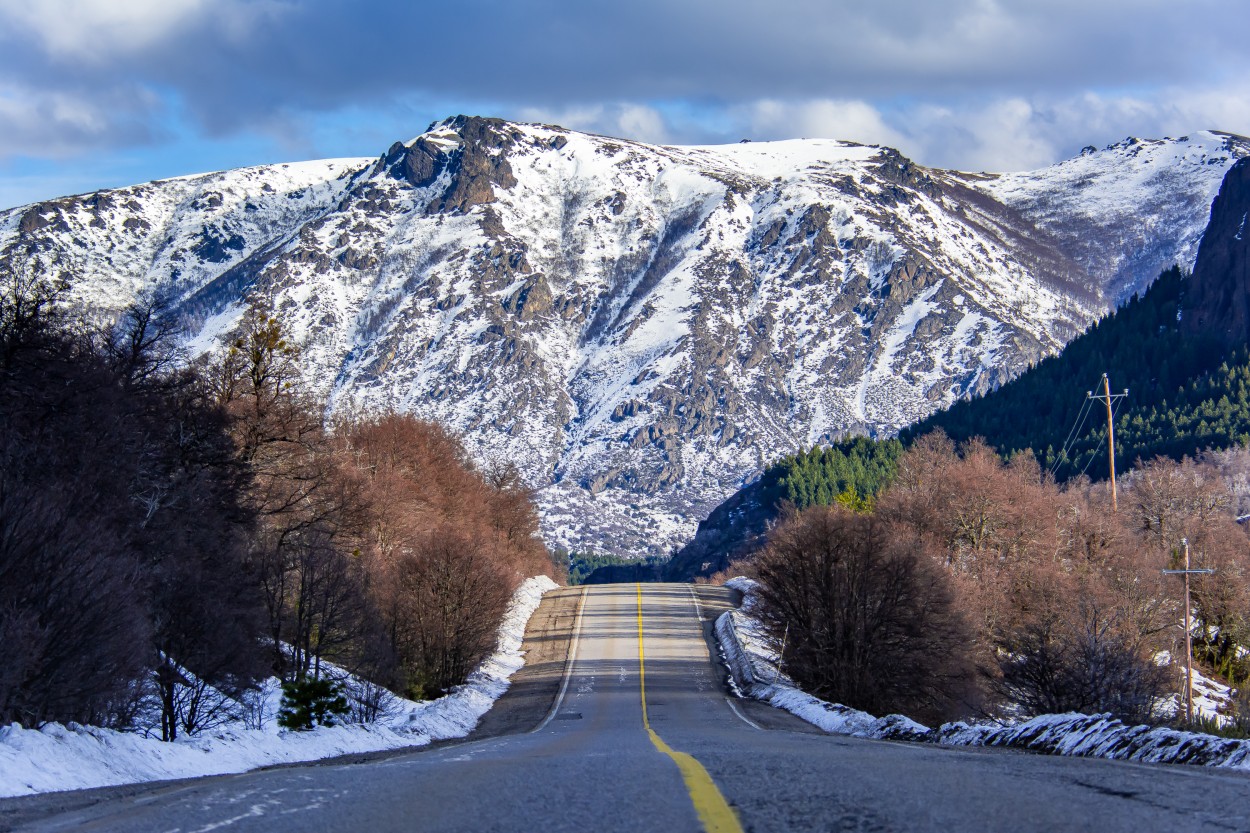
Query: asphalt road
column 706, row 763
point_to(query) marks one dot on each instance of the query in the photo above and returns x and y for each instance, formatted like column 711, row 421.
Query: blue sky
column 102, row 93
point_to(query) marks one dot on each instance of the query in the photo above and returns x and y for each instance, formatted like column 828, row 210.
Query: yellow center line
column 715, row 814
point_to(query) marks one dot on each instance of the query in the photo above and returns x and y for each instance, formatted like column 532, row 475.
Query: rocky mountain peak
column 472, row 152
column 641, row 329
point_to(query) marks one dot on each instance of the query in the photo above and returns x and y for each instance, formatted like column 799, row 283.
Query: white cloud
column 643, row 122
column 1003, row 133
column 1016, row 133
column 50, row 124
column 856, row 121
column 1223, row 109
column 639, row 122
column 94, row 31
column 86, row 27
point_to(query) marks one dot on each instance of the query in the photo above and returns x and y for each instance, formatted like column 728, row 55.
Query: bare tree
column 983, row 519
column 451, row 598
column 1075, row 646
column 72, row 613
column 871, row 617
column 1170, row 500
column 31, row 315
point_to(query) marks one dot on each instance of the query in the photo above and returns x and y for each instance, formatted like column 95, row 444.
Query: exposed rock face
column 640, row 329
column 1218, row 300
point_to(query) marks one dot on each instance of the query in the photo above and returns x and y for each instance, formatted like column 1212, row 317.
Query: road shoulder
column 713, row 601
column 534, row 687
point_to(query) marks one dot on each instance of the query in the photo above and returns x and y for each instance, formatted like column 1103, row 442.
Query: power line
column 1094, row 453
column 1074, row 433
column 1078, row 425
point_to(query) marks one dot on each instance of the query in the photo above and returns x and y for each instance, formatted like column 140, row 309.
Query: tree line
column 975, row 585
column 172, row 532
column 1186, row 394
column 851, row 473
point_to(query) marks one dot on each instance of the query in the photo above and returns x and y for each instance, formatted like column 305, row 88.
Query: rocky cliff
column 1218, row 299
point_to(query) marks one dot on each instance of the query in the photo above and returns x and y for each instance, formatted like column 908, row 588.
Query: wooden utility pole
column 1189, row 643
column 1108, row 398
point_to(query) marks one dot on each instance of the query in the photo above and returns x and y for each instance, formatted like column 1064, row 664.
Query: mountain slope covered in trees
column 851, row 473
column 1179, row 348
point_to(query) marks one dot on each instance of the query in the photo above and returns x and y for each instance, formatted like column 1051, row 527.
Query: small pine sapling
column 311, row 702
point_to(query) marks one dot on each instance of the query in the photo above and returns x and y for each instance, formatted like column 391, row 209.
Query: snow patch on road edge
column 753, row 672
column 68, row 757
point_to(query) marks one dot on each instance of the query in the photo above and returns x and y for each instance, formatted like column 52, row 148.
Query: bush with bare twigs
column 870, row 616
column 1066, row 599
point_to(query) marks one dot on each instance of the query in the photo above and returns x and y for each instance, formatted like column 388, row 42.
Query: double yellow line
column 715, row 814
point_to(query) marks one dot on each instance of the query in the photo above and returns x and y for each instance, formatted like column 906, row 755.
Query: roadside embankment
column 752, row 666
column 73, row 757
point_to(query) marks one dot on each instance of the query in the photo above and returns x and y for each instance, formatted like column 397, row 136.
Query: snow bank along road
column 644, row 738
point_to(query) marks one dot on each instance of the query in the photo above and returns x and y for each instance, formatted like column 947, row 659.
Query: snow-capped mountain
column 639, row 328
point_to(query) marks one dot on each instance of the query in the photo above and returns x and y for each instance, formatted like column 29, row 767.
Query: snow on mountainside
column 641, row 329
column 1083, row 201
column 175, row 234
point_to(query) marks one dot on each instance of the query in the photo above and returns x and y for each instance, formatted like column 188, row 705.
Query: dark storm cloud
column 546, row 52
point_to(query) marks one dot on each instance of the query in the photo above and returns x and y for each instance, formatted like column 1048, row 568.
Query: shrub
column 311, row 702
column 871, row 617
column 1241, row 708
column 1080, row 658
column 449, row 597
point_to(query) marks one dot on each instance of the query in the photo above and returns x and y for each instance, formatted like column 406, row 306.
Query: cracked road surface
column 591, row 764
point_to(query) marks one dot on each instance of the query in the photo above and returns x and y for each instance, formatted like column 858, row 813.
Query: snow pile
column 71, row 757
column 752, row 665
column 1102, row 736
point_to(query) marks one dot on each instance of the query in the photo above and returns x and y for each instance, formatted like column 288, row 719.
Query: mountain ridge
column 1179, row 346
column 640, row 329
column 1220, row 301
